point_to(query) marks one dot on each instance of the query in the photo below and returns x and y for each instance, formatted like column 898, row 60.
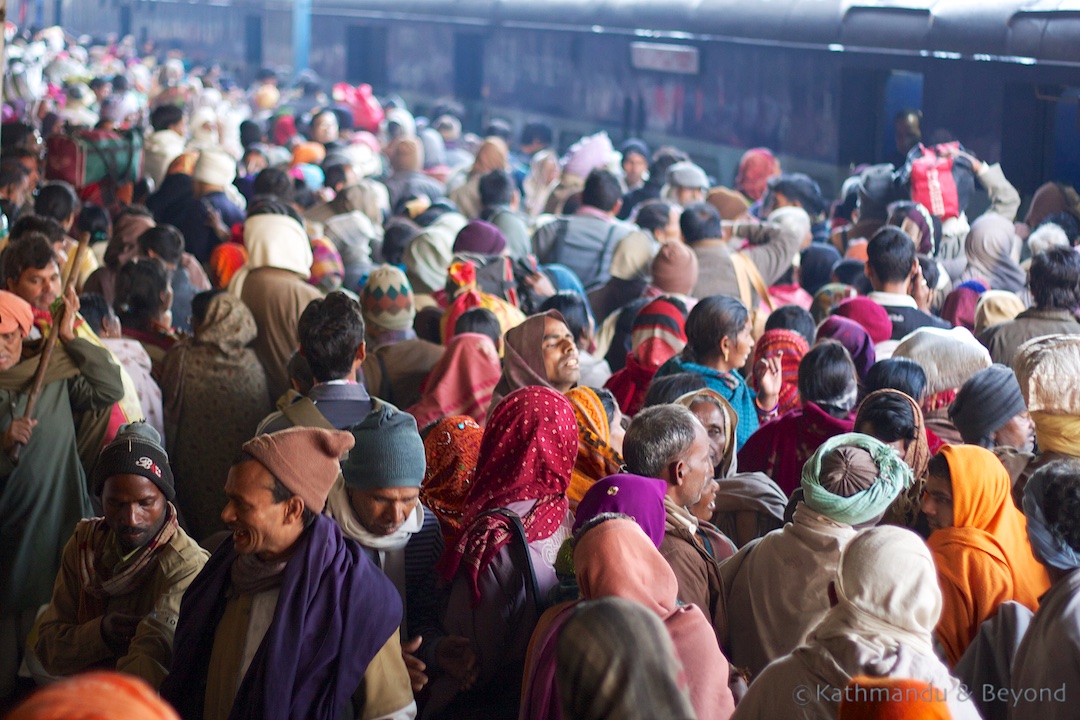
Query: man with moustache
column 117, row 596
column 288, row 614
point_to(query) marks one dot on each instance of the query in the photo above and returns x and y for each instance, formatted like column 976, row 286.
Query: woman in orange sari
column 979, row 542
column 600, row 435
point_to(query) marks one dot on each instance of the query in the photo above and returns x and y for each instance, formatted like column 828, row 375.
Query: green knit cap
column 388, row 451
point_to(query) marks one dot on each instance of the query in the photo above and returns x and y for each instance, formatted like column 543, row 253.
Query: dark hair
column 30, row 251
column 931, row 271
column 852, row 271
column 939, row 466
column 94, row 219
column 336, row 174
column 479, row 320
column 712, row 319
column 668, row 389
column 119, row 84
column 891, row 254
column 903, row 374
column 889, row 416
column 608, row 402
column 653, row 215
column 1067, row 222
column 300, row 372
column 95, row 309
column 499, row 128
column 793, row 317
column 496, row 188
column 11, row 173
column 803, row 190
column 281, row 494
column 276, row 182
column 1054, row 279
column 1061, row 499
column 165, row 241
column 140, row 286
column 536, row 131
column 272, row 205
column 398, row 232
column 331, row 330
column 827, row 376
column 201, row 303
column 700, row 221
column 56, row 200
column 574, row 311
column 251, row 133
column 602, row 190
column 662, row 161
column 52, row 230
column 164, row 117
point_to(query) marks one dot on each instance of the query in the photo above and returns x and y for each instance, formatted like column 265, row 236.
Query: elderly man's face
column 10, row 349
column 134, row 509
column 384, row 510
column 260, row 524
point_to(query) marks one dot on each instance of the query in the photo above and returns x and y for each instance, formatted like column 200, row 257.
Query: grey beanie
column 986, row 402
column 136, row 450
column 388, row 451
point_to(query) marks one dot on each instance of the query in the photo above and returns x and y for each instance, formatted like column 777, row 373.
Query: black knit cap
column 135, row 451
column 989, row 399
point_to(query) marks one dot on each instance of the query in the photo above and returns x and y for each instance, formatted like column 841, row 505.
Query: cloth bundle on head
column 729, row 203
column 387, row 299
column 872, row 316
column 756, row 166
column 276, row 241
column 959, row 307
column 986, row 402
column 15, row 314
column 327, row 268
column 427, row 258
column 305, row 460
column 1046, row 369
column 466, row 294
column 214, row 167
column 949, row 357
column 387, row 452
column 829, row 297
column 853, row 478
column 891, row 698
column 535, row 466
column 793, row 347
column 451, row 449
column 985, row 519
column 588, row 154
column 854, row 337
column 815, row 266
column 995, row 307
column 1046, row 541
column 596, row 459
column 523, row 356
column 993, row 251
column 675, row 269
column 658, row 334
column 225, row 260
column 137, row 450
column 480, row 238
column 94, row 696
column 637, row 497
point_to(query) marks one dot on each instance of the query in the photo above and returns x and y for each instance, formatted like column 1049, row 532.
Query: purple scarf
column 335, row 611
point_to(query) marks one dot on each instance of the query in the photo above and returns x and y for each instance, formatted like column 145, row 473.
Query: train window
column 1067, row 137
column 901, row 119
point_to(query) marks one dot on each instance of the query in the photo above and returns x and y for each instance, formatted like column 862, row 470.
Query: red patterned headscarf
column 794, row 347
column 658, row 334
column 755, row 168
column 527, row 453
column 451, row 449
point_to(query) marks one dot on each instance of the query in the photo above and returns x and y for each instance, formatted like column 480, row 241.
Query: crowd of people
column 352, row 413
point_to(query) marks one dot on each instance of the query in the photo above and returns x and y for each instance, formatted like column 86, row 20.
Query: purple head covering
column 959, row 306
column 641, row 498
column 852, row 336
column 481, row 238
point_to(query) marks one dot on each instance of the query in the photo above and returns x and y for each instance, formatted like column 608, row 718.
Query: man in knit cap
column 989, row 411
column 377, row 503
column 397, row 361
column 117, row 596
column 331, row 333
column 686, row 183
column 288, row 614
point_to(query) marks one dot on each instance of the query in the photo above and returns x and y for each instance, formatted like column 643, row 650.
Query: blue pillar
column 301, row 36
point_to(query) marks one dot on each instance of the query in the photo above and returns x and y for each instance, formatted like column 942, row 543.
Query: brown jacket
column 394, row 373
column 1003, row 340
column 65, row 646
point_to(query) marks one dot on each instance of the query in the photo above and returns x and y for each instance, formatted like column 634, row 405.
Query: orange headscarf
column 95, row 696
column 985, row 558
column 451, row 449
column 595, row 458
column 890, row 698
column 225, row 260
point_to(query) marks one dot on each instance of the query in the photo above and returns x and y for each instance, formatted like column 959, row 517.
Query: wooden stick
column 50, row 342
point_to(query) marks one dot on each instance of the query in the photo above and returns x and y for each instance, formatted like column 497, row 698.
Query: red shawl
column 794, row 347
column 527, row 453
column 782, row 446
column 658, row 334
column 461, row 382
